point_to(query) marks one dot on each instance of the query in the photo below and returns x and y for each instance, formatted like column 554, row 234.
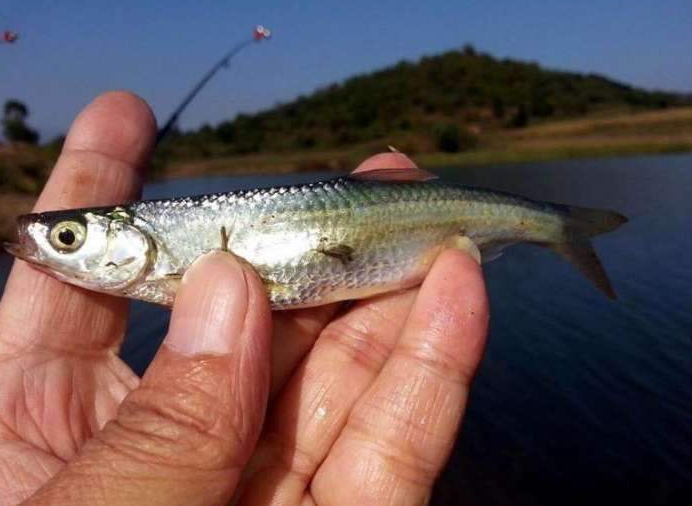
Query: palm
column 62, row 399
column 61, row 388
column 58, row 388
column 59, row 370
column 381, row 385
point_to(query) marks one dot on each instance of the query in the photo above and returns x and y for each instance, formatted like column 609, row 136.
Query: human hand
column 364, row 404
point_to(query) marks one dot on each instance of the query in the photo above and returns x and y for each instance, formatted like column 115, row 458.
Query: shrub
column 451, row 139
column 498, row 108
column 14, row 126
column 17, row 131
column 520, row 118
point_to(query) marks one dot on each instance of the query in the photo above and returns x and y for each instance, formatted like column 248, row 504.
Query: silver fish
column 347, row 238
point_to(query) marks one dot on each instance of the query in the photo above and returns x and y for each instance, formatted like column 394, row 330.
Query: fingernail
column 466, row 245
column 210, row 307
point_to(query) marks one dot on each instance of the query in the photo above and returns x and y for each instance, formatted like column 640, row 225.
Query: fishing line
column 259, row 34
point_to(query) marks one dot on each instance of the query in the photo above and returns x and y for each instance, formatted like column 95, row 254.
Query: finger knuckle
column 437, row 361
column 279, row 452
column 173, row 429
column 84, row 174
column 361, row 342
column 400, row 460
column 408, row 465
column 81, row 168
column 400, row 423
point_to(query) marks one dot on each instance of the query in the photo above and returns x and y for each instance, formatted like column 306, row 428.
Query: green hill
column 455, row 109
column 439, row 103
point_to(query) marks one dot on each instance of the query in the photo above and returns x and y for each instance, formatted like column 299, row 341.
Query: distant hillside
column 455, row 109
column 440, row 103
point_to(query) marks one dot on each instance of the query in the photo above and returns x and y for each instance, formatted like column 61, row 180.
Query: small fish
column 347, row 238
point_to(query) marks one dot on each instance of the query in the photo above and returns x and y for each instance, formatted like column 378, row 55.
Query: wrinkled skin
column 363, row 404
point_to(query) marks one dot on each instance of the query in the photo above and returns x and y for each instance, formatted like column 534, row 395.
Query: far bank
column 23, row 169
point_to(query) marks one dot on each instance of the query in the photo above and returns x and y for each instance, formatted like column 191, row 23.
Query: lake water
column 579, row 400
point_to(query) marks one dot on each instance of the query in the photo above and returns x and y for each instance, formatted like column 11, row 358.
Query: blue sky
column 72, row 50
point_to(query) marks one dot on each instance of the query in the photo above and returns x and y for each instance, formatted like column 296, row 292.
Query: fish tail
column 593, row 222
column 584, row 224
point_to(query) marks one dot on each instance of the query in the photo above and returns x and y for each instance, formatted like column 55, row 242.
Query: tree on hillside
column 416, row 102
column 16, row 110
column 14, row 126
column 498, row 107
column 520, row 118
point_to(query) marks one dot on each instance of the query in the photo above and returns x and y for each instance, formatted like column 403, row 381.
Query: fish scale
column 394, row 230
column 347, row 238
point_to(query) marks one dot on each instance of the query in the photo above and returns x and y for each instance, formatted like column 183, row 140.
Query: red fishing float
column 261, row 33
column 9, row 36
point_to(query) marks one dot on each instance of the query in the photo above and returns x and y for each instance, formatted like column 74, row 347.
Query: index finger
column 101, row 163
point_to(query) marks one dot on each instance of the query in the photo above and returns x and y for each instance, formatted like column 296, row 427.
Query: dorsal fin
column 393, row 174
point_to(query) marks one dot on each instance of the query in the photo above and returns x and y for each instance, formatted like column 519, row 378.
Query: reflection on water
column 579, row 399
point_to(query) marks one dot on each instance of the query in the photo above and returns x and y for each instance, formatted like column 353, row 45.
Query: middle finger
column 314, row 406
column 296, row 331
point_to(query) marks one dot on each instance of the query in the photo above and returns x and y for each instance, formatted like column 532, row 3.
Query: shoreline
column 642, row 133
column 292, row 163
column 13, row 204
column 657, row 132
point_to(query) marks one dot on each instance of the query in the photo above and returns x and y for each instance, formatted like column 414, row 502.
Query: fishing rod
column 259, row 34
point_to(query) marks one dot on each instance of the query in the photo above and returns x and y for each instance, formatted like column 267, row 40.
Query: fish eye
column 67, row 236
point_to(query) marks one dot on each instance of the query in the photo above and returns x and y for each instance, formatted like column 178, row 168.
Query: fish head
column 96, row 249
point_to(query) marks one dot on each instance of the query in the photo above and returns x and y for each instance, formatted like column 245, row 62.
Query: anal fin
column 494, row 252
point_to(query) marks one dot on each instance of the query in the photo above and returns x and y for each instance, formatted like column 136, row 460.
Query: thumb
column 184, row 436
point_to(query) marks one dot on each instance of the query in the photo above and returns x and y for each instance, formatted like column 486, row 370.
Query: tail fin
column 584, row 224
column 594, row 222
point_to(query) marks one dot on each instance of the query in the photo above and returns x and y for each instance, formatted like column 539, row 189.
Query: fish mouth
column 17, row 250
column 23, row 246
column 20, row 251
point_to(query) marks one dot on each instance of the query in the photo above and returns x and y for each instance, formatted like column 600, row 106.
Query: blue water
column 579, row 400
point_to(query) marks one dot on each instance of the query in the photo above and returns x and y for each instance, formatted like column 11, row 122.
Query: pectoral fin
column 341, row 252
column 493, row 252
